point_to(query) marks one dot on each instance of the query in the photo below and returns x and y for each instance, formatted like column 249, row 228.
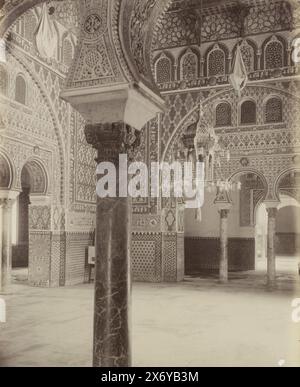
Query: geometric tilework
column 146, row 257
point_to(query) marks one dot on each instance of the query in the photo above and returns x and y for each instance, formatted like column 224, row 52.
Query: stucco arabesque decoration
column 277, row 144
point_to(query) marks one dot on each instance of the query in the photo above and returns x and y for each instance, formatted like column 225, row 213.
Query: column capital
column 271, row 203
column 272, row 208
column 7, row 198
column 6, row 203
column 223, row 201
column 224, row 212
column 272, row 212
column 112, row 139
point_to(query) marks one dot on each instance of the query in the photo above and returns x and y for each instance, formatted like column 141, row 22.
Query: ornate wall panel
column 181, row 25
column 39, row 258
column 169, row 254
column 39, row 218
column 146, row 256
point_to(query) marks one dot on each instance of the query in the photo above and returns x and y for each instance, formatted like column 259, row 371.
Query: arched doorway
column 33, row 183
column 202, row 238
column 287, row 236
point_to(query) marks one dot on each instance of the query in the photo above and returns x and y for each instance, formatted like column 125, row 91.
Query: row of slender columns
column 271, row 256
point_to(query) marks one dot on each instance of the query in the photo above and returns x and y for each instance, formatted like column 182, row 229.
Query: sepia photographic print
column 149, row 186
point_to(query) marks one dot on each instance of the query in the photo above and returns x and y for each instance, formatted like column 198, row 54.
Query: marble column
column 112, row 276
column 223, row 269
column 271, row 255
column 6, row 247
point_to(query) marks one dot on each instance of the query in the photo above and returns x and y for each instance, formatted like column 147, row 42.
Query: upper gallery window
column 274, row 54
column 248, row 113
column 163, row 69
column 216, row 62
column 223, row 114
column 273, row 110
column 189, row 66
column 20, row 95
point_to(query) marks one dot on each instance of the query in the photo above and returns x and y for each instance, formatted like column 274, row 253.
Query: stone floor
column 195, row 323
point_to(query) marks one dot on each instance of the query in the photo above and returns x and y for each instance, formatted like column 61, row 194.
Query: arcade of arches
column 148, row 80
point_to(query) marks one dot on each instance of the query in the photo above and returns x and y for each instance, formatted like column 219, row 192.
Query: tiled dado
column 146, row 256
column 157, row 257
column 40, row 258
column 203, row 254
column 58, row 258
column 76, row 262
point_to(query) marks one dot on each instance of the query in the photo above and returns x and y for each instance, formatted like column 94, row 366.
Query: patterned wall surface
column 260, row 129
column 146, row 256
column 45, row 129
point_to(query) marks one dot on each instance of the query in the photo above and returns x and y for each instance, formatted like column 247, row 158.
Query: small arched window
column 163, row 69
column 3, row 81
column 20, row 95
column 67, row 52
column 273, row 112
column 30, row 26
column 248, row 113
column 216, row 62
column 248, row 55
column 223, row 114
column 274, row 54
column 189, row 66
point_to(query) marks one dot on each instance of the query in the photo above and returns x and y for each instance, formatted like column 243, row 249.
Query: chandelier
column 203, row 145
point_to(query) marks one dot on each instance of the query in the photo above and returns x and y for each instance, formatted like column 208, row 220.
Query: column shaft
column 272, row 212
column 112, row 285
column 112, row 280
column 223, row 270
column 6, row 246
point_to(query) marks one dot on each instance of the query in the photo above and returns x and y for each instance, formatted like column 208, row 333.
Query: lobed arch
column 253, row 171
column 265, row 186
column 281, row 176
column 7, row 171
column 38, row 175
